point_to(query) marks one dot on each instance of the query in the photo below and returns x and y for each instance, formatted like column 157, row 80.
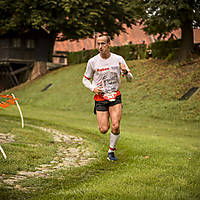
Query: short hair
column 107, row 37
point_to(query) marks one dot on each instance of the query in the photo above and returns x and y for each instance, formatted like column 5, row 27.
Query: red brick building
column 135, row 35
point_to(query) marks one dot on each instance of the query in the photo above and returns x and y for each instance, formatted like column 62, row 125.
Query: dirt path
column 65, row 157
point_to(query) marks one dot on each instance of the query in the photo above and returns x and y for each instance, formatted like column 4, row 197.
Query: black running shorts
column 104, row 105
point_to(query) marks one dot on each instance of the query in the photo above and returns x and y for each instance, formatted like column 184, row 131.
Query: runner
column 104, row 69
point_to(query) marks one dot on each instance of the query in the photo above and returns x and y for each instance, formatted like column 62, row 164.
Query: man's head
column 103, row 42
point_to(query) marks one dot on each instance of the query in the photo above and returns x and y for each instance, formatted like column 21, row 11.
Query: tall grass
column 158, row 152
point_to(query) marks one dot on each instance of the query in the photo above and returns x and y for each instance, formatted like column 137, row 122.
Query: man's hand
column 98, row 90
column 123, row 68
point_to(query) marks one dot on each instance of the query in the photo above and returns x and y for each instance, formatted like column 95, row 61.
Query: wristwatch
column 126, row 72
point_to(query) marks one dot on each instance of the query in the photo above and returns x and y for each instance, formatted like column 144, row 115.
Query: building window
column 63, row 60
column 30, row 44
column 16, row 42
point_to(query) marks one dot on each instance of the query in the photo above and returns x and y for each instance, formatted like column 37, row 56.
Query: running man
column 104, row 69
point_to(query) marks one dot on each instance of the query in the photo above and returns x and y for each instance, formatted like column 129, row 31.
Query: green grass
column 154, row 124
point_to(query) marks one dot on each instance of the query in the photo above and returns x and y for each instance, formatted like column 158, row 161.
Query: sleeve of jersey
column 87, row 83
column 87, row 76
column 128, row 76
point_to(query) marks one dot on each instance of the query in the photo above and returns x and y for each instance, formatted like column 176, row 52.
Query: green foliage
column 163, row 16
column 165, row 49
column 160, row 17
column 128, row 52
column 141, row 50
column 74, row 19
column 80, row 56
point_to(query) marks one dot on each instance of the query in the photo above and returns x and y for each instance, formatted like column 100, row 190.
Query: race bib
column 110, row 96
column 110, row 82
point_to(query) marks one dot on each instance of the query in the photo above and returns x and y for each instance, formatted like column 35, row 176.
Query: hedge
column 128, row 52
column 165, row 49
column 159, row 49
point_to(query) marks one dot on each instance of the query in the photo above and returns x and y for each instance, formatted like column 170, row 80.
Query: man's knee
column 103, row 129
column 115, row 127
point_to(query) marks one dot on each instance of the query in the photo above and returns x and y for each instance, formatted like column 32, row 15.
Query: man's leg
column 115, row 114
column 103, row 121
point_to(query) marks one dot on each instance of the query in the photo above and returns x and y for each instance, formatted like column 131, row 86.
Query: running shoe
column 111, row 156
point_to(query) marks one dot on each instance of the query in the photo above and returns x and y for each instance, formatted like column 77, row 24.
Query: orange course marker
column 6, row 103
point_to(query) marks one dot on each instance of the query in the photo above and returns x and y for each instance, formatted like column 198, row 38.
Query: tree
column 163, row 16
column 75, row 19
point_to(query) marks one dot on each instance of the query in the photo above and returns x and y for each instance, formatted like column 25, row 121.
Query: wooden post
column 13, row 74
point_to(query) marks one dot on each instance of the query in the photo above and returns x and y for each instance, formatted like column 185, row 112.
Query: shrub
column 80, row 56
column 128, row 52
column 165, row 49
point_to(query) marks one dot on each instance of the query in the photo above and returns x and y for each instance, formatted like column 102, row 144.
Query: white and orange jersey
column 105, row 72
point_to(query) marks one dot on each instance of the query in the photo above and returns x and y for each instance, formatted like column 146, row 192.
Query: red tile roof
column 135, row 35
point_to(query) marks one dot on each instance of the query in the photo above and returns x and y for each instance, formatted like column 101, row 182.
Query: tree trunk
column 187, row 41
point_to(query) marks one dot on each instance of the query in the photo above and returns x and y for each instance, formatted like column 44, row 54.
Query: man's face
column 103, row 45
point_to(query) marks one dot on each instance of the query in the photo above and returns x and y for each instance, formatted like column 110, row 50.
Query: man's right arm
column 86, row 79
column 86, row 82
column 88, row 75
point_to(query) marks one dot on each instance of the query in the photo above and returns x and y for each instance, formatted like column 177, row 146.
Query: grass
column 158, row 152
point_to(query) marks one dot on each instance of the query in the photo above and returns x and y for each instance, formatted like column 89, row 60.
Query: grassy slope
column 154, row 123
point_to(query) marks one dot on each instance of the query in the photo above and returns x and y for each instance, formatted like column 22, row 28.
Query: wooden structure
column 18, row 54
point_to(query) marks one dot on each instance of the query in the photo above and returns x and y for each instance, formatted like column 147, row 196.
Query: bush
column 165, row 49
column 80, row 56
column 128, row 52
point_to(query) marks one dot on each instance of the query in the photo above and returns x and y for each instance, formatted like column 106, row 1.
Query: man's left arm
column 126, row 71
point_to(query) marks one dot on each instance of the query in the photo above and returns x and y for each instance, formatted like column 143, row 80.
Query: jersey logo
column 103, row 69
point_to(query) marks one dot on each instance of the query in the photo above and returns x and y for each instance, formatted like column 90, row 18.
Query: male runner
column 104, row 69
